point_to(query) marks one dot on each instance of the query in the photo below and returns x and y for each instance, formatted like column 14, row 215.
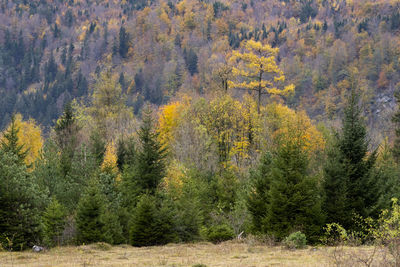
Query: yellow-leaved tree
column 255, row 69
column 109, row 111
column 168, row 121
column 110, row 159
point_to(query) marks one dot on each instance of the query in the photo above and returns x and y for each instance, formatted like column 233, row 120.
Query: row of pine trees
column 72, row 196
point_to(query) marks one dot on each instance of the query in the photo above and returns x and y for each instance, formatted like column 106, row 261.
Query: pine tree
column 350, row 184
column 89, row 214
column 294, row 196
column 53, row 223
column 10, row 142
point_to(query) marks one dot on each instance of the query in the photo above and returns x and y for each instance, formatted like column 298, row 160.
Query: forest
column 155, row 122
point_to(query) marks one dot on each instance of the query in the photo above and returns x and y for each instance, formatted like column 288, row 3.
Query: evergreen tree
column 53, row 223
column 123, row 42
column 151, row 156
column 150, row 224
column 67, row 129
column 21, row 202
column 387, row 173
column 97, row 146
column 190, row 60
column 89, row 214
column 126, row 153
column 396, row 122
column 294, row 196
column 149, row 166
column 10, row 142
column 112, row 229
column 350, row 184
column 258, row 199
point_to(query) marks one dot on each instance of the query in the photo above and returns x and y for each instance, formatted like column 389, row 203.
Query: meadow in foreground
column 198, row 254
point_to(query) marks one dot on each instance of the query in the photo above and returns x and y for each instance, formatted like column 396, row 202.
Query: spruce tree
column 123, row 42
column 67, row 129
column 53, row 223
column 258, row 198
column 21, row 201
column 396, row 122
column 150, row 159
column 112, row 229
column 350, row 184
column 149, row 168
column 151, row 223
column 10, row 142
column 126, row 153
column 294, row 196
column 89, row 214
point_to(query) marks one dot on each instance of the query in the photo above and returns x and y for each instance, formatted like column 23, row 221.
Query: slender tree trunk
column 259, row 92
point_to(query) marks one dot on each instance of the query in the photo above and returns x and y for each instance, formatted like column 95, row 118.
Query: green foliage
column 220, row 233
column 334, row 234
column 388, row 231
column 123, row 42
column 295, row 240
column 66, row 130
column 149, row 168
column 67, row 188
column 350, row 184
column 10, row 143
column 89, row 213
column 295, row 201
column 258, row 198
column 126, row 153
column 112, row 229
column 225, row 185
column 150, row 159
column 53, row 223
column 151, row 224
column 21, row 202
column 396, row 122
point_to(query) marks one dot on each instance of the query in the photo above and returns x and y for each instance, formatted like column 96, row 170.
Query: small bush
column 199, row 265
column 219, row 233
column 101, row 246
column 296, row 240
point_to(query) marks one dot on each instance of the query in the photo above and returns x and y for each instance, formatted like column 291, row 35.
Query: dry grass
column 225, row 254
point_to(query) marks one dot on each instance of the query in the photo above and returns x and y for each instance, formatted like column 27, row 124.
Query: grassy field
column 199, row 254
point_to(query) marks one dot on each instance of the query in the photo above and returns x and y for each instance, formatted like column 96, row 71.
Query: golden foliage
column 256, row 61
column 110, row 159
column 30, row 136
column 168, row 122
column 284, row 122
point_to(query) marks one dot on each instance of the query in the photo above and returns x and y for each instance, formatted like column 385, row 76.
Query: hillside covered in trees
column 149, row 122
column 54, row 51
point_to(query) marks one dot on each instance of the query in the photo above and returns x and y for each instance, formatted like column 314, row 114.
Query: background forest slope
column 53, row 51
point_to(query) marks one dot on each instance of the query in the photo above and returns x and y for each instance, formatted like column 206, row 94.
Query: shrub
column 219, row 233
column 296, row 240
column 334, row 234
